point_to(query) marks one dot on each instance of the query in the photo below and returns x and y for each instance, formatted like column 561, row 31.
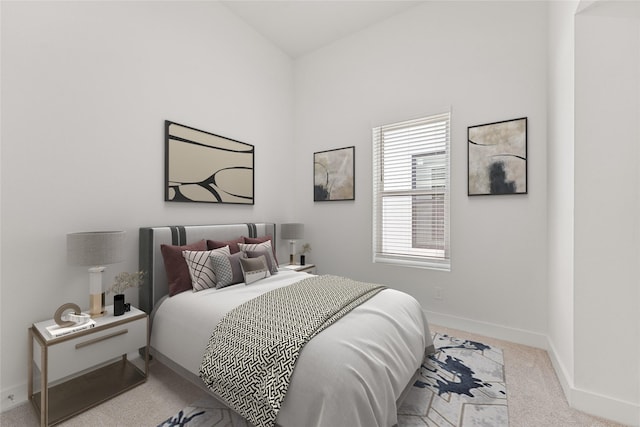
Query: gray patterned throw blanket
column 253, row 350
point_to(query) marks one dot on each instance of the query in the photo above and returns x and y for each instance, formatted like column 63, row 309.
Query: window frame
column 386, row 247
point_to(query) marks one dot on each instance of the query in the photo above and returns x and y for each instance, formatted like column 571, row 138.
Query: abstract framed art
column 497, row 158
column 207, row 168
column 334, row 175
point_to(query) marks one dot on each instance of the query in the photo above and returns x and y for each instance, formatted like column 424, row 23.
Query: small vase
column 118, row 304
column 301, row 259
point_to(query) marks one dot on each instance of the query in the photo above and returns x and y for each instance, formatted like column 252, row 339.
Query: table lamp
column 292, row 232
column 95, row 249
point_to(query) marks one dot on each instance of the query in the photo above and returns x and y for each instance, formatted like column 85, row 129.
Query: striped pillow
column 200, row 268
column 264, row 246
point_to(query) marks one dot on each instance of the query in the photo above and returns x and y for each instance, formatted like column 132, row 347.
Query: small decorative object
column 333, row 175
column 292, row 232
column 204, row 167
column 118, row 304
column 95, row 249
column 69, row 322
column 124, row 281
column 305, row 248
column 64, row 319
column 497, row 156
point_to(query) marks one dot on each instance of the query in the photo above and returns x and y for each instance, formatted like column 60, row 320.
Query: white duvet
column 351, row 374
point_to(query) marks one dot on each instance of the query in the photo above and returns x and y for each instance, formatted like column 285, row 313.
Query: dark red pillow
column 176, row 266
column 233, row 244
column 254, row 240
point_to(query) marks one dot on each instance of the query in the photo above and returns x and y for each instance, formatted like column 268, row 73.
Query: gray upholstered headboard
column 155, row 284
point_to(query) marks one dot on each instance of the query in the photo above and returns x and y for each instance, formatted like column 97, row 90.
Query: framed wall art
column 207, row 168
column 497, row 158
column 334, row 175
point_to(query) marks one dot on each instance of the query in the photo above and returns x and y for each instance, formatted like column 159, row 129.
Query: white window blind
column 411, row 192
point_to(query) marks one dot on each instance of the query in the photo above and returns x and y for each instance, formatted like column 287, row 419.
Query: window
column 411, row 192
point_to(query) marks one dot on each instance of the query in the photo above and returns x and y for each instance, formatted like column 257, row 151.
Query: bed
column 354, row 373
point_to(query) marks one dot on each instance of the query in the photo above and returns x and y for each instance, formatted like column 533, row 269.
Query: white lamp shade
column 293, row 231
column 95, row 248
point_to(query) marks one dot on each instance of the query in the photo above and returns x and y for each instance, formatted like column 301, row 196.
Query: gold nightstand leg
column 145, row 356
column 44, row 393
column 44, row 389
column 30, row 367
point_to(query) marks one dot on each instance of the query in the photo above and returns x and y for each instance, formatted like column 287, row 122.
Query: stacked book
column 57, row 331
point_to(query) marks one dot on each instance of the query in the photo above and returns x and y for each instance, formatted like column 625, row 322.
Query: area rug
column 462, row 385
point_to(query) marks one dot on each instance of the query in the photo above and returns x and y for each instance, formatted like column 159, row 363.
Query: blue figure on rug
column 180, row 419
column 454, row 366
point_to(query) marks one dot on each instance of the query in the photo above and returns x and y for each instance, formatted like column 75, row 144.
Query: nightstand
column 307, row 268
column 72, row 373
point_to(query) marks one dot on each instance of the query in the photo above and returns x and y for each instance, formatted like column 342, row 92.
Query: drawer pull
column 103, row 338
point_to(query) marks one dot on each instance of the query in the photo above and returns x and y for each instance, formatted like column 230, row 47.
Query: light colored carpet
column 535, row 397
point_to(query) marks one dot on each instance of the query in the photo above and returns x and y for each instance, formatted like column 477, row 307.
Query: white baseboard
column 626, row 413
column 519, row 336
column 564, row 376
column 13, row 396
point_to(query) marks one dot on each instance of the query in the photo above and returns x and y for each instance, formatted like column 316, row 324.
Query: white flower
column 125, row 281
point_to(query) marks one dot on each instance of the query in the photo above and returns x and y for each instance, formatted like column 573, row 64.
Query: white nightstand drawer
column 86, row 351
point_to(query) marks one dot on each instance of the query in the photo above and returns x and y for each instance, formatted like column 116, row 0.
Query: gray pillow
column 227, row 269
column 264, row 246
column 273, row 268
column 254, row 269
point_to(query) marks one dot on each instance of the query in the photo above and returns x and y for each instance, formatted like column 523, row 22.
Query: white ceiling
column 629, row 9
column 299, row 27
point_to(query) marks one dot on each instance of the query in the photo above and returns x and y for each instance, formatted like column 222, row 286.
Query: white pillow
column 201, row 269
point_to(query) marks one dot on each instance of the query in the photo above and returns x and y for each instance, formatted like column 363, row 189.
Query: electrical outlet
column 12, row 397
column 439, row 294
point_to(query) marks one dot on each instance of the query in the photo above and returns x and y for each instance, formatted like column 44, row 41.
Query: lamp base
column 96, row 305
column 292, row 246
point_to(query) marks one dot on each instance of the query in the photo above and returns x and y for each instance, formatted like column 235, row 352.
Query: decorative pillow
column 273, row 268
column 200, row 268
column 254, row 269
column 233, row 244
column 254, row 240
column 264, row 246
column 174, row 264
column 227, row 269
